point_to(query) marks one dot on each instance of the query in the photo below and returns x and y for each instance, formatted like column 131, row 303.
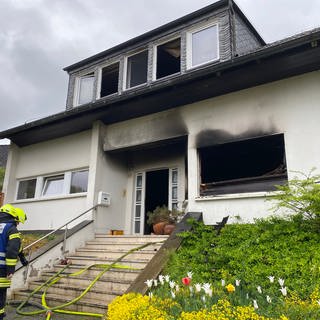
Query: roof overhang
column 274, row 62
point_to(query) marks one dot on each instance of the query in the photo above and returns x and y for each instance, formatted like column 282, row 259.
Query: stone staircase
column 102, row 250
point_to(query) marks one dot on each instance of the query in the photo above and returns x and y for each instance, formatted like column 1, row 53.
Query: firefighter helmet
column 20, row 215
column 9, row 209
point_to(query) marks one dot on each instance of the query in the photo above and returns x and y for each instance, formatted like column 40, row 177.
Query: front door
column 152, row 189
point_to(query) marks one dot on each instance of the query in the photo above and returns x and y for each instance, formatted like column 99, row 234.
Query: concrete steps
column 55, row 300
column 103, row 249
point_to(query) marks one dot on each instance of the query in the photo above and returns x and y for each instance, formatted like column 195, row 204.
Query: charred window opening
column 251, row 165
column 168, row 58
column 109, row 80
column 137, row 69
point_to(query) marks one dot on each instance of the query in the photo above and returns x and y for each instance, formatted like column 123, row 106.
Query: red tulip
column 186, row 281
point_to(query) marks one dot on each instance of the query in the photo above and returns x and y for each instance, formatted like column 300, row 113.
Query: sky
column 38, row 38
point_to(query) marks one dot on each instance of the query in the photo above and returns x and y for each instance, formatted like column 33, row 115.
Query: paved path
column 12, row 315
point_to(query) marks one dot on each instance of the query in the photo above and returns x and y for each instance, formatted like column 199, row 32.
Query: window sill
column 61, row 197
column 237, row 196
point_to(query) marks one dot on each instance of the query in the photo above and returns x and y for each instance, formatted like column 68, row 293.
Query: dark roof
column 282, row 59
column 4, row 149
column 166, row 28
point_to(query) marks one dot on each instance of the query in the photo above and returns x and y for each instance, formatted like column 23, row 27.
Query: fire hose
column 48, row 311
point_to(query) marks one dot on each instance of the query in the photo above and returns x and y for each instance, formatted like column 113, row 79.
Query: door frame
column 139, row 192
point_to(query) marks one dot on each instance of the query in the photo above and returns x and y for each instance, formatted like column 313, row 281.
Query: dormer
column 209, row 36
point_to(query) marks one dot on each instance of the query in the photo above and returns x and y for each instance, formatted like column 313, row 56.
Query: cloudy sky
column 40, row 37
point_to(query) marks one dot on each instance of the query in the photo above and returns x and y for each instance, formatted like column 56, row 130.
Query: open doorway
column 156, row 193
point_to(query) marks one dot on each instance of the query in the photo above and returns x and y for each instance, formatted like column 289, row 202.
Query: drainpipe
column 232, row 29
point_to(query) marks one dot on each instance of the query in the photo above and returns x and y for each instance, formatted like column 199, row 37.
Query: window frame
column 70, row 184
column 35, row 188
column 189, row 53
column 125, row 69
column 76, row 97
column 53, row 178
column 41, row 182
column 99, row 79
column 155, row 57
column 279, row 178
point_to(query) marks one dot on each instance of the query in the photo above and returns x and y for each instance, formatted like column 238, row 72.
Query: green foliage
column 163, row 214
column 279, row 247
column 301, row 196
column 2, row 171
column 194, row 254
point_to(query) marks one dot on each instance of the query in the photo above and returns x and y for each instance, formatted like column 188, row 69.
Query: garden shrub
column 301, row 196
column 135, row 306
column 281, row 247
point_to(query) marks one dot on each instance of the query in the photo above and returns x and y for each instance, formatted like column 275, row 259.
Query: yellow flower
column 230, row 288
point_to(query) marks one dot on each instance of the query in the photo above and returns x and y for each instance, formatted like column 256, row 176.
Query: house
column 199, row 113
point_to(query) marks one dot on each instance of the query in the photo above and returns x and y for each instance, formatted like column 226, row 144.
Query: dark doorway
column 156, row 193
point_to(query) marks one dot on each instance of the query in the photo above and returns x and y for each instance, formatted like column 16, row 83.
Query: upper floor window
column 203, row 46
column 137, row 69
column 109, row 80
column 85, row 88
column 168, row 58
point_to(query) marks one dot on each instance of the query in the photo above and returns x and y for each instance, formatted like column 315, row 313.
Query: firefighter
column 10, row 247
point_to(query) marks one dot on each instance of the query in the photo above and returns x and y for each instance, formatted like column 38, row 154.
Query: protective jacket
column 10, row 244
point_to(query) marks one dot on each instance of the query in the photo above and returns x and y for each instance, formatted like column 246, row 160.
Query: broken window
column 109, row 80
column 203, row 46
column 85, row 89
column 137, row 69
column 256, row 164
column 168, row 58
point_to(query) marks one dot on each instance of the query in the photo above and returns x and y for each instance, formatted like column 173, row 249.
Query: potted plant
column 163, row 220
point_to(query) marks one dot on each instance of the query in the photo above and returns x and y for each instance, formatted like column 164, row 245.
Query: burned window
column 168, row 58
column 251, row 165
column 109, row 80
column 137, row 69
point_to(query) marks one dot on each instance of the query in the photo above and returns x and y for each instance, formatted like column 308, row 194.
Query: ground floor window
column 26, row 189
column 250, row 165
column 64, row 183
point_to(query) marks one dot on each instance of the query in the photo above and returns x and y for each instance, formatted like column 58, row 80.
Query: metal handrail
column 57, row 229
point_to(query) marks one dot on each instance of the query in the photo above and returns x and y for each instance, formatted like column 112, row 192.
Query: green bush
column 279, row 247
column 2, row 171
column 301, row 196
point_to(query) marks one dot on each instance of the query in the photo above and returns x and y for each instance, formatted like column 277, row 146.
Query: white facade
column 115, row 154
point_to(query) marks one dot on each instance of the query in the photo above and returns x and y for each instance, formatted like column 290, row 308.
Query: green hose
column 55, row 278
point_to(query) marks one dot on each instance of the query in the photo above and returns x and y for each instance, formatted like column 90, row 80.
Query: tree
column 2, row 171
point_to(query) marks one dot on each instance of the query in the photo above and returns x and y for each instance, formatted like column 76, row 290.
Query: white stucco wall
column 290, row 106
column 48, row 158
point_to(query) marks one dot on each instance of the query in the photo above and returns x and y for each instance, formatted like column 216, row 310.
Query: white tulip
column 284, row 291
column 149, row 283
column 281, row 282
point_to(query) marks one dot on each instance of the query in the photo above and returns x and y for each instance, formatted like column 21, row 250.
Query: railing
column 65, row 227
